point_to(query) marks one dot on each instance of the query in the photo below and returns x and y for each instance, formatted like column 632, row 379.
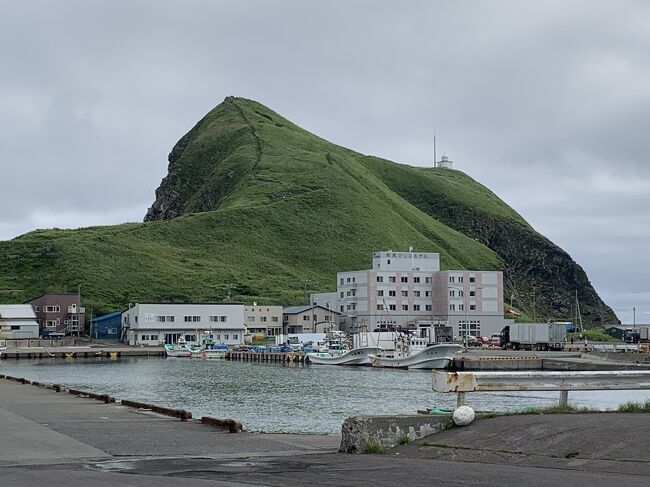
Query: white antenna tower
column 435, row 160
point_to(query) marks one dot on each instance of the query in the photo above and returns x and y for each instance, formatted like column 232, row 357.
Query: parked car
column 472, row 341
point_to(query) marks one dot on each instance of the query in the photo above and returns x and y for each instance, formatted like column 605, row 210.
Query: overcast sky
column 546, row 103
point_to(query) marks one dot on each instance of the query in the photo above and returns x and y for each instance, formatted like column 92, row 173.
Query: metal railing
column 463, row 382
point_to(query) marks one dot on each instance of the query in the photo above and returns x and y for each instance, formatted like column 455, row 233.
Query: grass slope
column 292, row 207
column 254, row 203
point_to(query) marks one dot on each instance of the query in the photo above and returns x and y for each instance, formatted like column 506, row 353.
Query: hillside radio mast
column 434, row 149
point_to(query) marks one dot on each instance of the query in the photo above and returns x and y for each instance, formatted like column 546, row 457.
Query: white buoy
column 463, row 416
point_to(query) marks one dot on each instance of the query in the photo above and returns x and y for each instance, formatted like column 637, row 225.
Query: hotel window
column 405, row 307
column 342, row 294
column 416, row 294
column 391, row 293
column 404, row 279
column 380, row 278
column 427, row 280
column 380, row 307
column 342, row 309
column 460, row 279
column 427, row 307
column 451, row 278
column 472, row 307
column 472, row 279
column 392, row 307
column 461, row 307
column 380, row 292
column 452, row 307
column 416, row 307
column 391, row 278
column 416, row 280
column 452, row 293
column 427, row 294
column 405, row 293
column 472, row 293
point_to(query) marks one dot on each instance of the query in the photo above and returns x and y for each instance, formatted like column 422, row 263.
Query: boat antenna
column 434, row 148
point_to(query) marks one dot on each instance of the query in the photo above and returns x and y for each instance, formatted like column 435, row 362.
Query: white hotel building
column 403, row 288
column 157, row 324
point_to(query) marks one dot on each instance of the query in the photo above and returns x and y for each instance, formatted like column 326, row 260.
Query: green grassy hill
column 254, row 204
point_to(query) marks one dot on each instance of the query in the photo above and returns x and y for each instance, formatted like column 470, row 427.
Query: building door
column 171, row 338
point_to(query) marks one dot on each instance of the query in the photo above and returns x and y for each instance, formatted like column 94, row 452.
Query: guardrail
column 463, row 382
column 616, row 347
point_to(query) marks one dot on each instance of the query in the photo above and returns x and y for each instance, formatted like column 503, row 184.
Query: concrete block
column 360, row 431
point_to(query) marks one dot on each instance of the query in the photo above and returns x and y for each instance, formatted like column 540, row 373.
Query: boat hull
column 434, row 357
column 356, row 356
column 171, row 351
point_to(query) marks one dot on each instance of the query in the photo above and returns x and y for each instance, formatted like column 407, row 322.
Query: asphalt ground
column 49, row 438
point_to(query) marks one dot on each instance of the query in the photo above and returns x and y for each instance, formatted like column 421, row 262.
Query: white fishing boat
column 178, row 349
column 356, row 356
column 413, row 352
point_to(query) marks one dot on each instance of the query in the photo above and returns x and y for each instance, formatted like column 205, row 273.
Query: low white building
column 18, row 321
column 161, row 323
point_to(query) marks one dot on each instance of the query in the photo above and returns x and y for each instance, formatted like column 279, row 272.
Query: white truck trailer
column 534, row 336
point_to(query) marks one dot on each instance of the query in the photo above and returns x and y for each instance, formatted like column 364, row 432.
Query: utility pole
column 305, row 281
column 634, row 316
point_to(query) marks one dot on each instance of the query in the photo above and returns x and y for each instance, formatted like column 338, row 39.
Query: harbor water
column 280, row 397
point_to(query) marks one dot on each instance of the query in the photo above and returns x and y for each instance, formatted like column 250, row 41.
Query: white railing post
column 564, row 399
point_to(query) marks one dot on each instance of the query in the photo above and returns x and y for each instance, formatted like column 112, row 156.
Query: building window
column 53, row 309
column 349, row 280
column 388, row 261
column 235, row 336
column 427, row 307
column 461, row 307
column 263, row 319
column 187, row 319
column 161, row 319
column 35, row 307
column 392, row 307
column 145, row 338
column 472, row 307
column 416, row 280
column 452, row 307
column 380, row 278
column 405, row 293
column 472, row 279
column 354, row 279
column 380, row 307
column 451, row 278
column 416, row 307
column 342, row 294
column 427, row 294
column 405, row 307
column 342, row 281
column 154, row 338
column 380, row 292
column 274, row 319
column 472, row 293
column 342, row 309
column 404, row 279
column 305, row 318
column 214, row 319
column 391, row 278
column 251, row 319
column 225, row 337
column 196, row 319
column 427, row 280
column 452, row 293
column 471, row 328
column 391, row 293
column 416, row 294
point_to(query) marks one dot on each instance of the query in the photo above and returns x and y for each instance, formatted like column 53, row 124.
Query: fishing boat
column 210, row 352
column 356, row 356
column 178, row 349
column 416, row 353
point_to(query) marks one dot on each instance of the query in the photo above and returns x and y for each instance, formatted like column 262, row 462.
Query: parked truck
column 533, row 336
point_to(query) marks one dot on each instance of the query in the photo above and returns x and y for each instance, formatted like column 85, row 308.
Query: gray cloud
column 545, row 103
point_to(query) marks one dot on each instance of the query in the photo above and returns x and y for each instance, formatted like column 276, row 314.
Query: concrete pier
column 50, row 438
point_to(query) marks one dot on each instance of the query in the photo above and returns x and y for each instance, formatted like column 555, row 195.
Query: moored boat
column 437, row 356
column 178, row 349
column 356, row 356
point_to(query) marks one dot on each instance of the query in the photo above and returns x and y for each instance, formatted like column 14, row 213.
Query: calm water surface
column 276, row 397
